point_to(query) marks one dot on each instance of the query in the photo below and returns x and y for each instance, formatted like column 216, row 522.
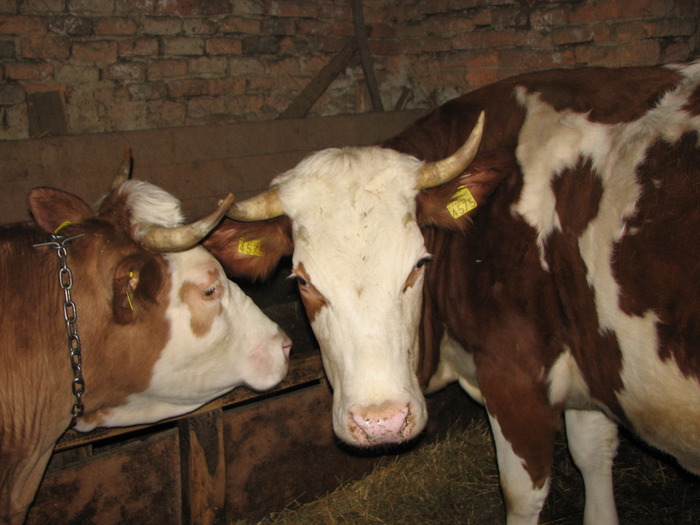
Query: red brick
column 161, row 25
column 54, row 47
column 187, row 87
column 126, row 72
column 40, row 6
column 162, row 69
column 28, row 71
column 115, row 26
column 138, row 47
column 642, row 52
column 226, row 86
column 478, row 77
column 293, row 9
column 147, row 91
column 236, row 24
column 199, row 26
column 90, row 6
column 511, row 58
column 22, row 25
column 572, row 35
column 596, row 12
column 183, row 46
column 207, row 66
column 99, row 51
column 165, row 113
column 205, row 106
column 75, row 26
column 442, row 25
column 224, row 46
column 193, row 7
column 135, row 6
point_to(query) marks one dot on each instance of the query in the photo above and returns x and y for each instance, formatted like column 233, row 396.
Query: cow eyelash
column 209, row 291
column 423, row 261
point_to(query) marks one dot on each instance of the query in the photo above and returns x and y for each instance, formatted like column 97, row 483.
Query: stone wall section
column 95, row 66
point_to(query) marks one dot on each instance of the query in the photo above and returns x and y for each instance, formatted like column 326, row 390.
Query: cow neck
column 61, row 243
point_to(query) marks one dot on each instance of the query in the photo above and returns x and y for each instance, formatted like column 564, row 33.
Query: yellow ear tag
column 462, row 202
column 250, row 247
column 61, row 226
column 128, row 295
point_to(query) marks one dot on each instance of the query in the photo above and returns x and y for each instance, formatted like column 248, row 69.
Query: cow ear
column 138, row 279
column 451, row 205
column 51, row 208
column 250, row 249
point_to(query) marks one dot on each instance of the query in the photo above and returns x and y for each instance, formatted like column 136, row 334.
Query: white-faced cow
column 155, row 334
column 562, row 275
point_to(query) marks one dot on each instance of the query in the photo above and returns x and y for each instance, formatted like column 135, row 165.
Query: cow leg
column 524, row 498
column 593, row 444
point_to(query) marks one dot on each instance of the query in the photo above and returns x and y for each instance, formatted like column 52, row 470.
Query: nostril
column 286, row 346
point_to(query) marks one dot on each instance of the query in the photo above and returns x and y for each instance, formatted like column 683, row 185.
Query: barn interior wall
column 94, row 66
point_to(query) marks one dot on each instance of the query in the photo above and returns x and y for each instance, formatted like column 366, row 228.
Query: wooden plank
column 358, row 19
column 301, row 105
column 85, row 164
column 302, row 370
column 203, row 468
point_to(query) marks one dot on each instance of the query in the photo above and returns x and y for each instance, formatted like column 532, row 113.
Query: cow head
column 163, row 330
column 350, row 218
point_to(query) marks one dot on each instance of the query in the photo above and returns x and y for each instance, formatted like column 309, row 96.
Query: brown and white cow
column 160, row 333
column 562, row 275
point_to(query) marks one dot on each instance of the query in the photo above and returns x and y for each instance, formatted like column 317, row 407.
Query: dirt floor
column 454, row 481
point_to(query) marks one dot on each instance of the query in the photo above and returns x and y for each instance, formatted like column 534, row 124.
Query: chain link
column 70, row 315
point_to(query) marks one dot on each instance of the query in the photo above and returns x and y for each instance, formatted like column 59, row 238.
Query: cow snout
column 375, row 425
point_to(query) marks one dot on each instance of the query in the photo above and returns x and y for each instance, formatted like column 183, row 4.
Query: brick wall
column 88, row 66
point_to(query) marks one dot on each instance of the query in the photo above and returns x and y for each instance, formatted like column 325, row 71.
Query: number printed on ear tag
column 462, row 202
column 250, row 247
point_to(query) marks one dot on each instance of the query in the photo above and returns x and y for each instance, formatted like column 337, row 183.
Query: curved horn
column 265, row 205
column 124, row 172
column 162, row 239
column 441, row 171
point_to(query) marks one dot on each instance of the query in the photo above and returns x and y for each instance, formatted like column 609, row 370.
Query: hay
column 455, row 481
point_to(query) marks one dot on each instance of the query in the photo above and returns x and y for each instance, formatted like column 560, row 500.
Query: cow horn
column 265, row 205
column 124, row 172
column 441, row 171
column 162, row 239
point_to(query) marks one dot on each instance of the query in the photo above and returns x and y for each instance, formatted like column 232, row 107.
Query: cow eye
column 422, row 262
column 301, row 281
column 211, row 291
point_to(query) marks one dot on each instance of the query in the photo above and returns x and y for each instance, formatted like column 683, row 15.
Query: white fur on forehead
column 349, row 177
column 150, row 204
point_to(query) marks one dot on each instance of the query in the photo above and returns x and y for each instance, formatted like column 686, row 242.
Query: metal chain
column 70, row 315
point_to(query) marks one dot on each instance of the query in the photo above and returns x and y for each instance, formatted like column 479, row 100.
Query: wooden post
column 203, row 468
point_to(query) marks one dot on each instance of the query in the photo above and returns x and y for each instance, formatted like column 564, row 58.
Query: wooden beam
column 203, row 468
column 301, row 105
column 365, row 57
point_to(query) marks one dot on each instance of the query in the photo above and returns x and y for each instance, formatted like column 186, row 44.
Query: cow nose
column 286, row 344
column 374, row 425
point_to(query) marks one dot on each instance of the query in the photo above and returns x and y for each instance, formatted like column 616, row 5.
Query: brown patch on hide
column 313, row 300
column 656, row 262
column 203, row 302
